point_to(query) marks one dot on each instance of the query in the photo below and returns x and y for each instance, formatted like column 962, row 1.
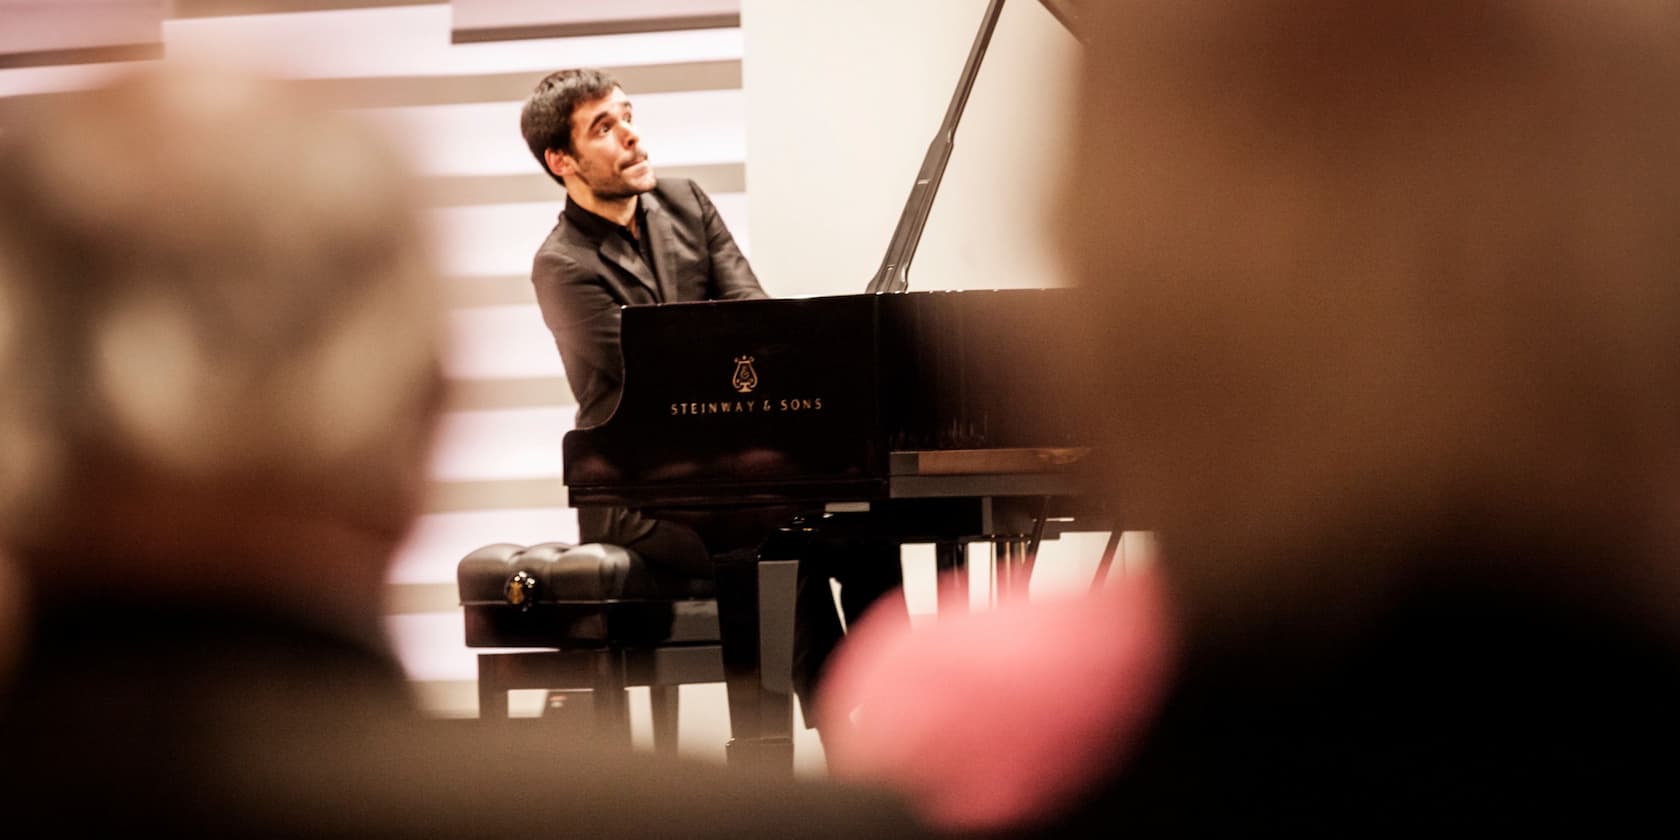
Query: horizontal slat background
column 503, row 20
column 452, row 108
column 51, row 32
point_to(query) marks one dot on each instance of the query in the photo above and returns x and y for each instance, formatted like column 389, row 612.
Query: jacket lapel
column 659, row 240
column 618, row 251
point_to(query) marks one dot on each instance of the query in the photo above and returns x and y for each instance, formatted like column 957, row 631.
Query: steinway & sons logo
column 744, row 381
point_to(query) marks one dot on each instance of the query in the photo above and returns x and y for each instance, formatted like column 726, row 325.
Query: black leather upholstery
column 602, row 621
column 560, row 595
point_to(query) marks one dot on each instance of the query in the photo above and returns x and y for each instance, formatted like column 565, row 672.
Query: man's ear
column 559, row 162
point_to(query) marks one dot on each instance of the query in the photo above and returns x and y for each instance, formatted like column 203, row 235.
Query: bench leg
column 610, row 700
column 663, row 698
column 492, row 697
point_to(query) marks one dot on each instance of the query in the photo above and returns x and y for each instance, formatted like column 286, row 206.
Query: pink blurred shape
column 995, row 719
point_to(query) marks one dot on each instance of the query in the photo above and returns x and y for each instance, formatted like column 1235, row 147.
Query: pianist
column 628, row 237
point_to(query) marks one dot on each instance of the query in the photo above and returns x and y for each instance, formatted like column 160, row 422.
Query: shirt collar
column 600, row 226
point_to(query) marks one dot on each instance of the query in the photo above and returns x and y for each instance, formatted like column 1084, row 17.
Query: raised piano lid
column 894, row 273
column 1071, row 13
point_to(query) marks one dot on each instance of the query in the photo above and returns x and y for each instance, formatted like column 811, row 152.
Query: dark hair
column 546, row 119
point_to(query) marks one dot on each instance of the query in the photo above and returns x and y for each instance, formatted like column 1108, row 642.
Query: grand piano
column 931, row 417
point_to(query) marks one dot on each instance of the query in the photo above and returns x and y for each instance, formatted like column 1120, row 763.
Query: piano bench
column 596, row 620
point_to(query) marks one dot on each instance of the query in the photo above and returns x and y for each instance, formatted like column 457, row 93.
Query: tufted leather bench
column 593, row 617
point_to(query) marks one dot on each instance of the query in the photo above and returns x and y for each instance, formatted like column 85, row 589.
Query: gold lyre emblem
column 745, row 378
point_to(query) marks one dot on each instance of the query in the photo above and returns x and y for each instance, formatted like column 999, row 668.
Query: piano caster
column 773, row 754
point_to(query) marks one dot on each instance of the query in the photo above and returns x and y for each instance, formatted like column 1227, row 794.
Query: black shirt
column 601, row 226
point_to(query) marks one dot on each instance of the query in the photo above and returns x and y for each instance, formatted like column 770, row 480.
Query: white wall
column 843, row 98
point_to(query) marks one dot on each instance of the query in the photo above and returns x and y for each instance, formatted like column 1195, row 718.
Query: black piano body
column 917, row 416
column 920, row 417
column 828, row 399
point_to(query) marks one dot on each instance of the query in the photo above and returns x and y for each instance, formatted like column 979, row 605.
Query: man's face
column 607, row 157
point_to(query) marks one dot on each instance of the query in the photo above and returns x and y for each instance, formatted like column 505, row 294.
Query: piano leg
column 1013, row 568
column 755, row 618
column 951, row 561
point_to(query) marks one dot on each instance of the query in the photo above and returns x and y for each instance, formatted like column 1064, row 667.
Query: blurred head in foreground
column 218, row 334
column 1389, row 295
column 221, row 344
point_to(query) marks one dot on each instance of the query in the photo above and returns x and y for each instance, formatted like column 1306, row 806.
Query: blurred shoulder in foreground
column 1382, row 317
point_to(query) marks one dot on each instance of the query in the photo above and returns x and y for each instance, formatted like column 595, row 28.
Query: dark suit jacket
column 587, row 269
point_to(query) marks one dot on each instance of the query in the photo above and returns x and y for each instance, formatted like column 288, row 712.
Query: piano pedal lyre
column 1013, row 558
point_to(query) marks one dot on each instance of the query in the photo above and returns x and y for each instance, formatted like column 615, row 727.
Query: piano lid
column 1073, row 14
column 894, row 273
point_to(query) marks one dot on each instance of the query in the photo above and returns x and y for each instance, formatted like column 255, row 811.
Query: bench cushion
column 560, row 595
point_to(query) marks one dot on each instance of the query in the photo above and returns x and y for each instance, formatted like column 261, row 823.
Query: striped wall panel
column 36, row 33
column 501, row 20
column 452, row 108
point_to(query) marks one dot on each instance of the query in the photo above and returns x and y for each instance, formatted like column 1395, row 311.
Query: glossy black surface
column 836, row 383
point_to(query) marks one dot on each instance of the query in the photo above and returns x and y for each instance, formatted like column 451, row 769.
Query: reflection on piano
column 826, row 399
column 916, row 416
